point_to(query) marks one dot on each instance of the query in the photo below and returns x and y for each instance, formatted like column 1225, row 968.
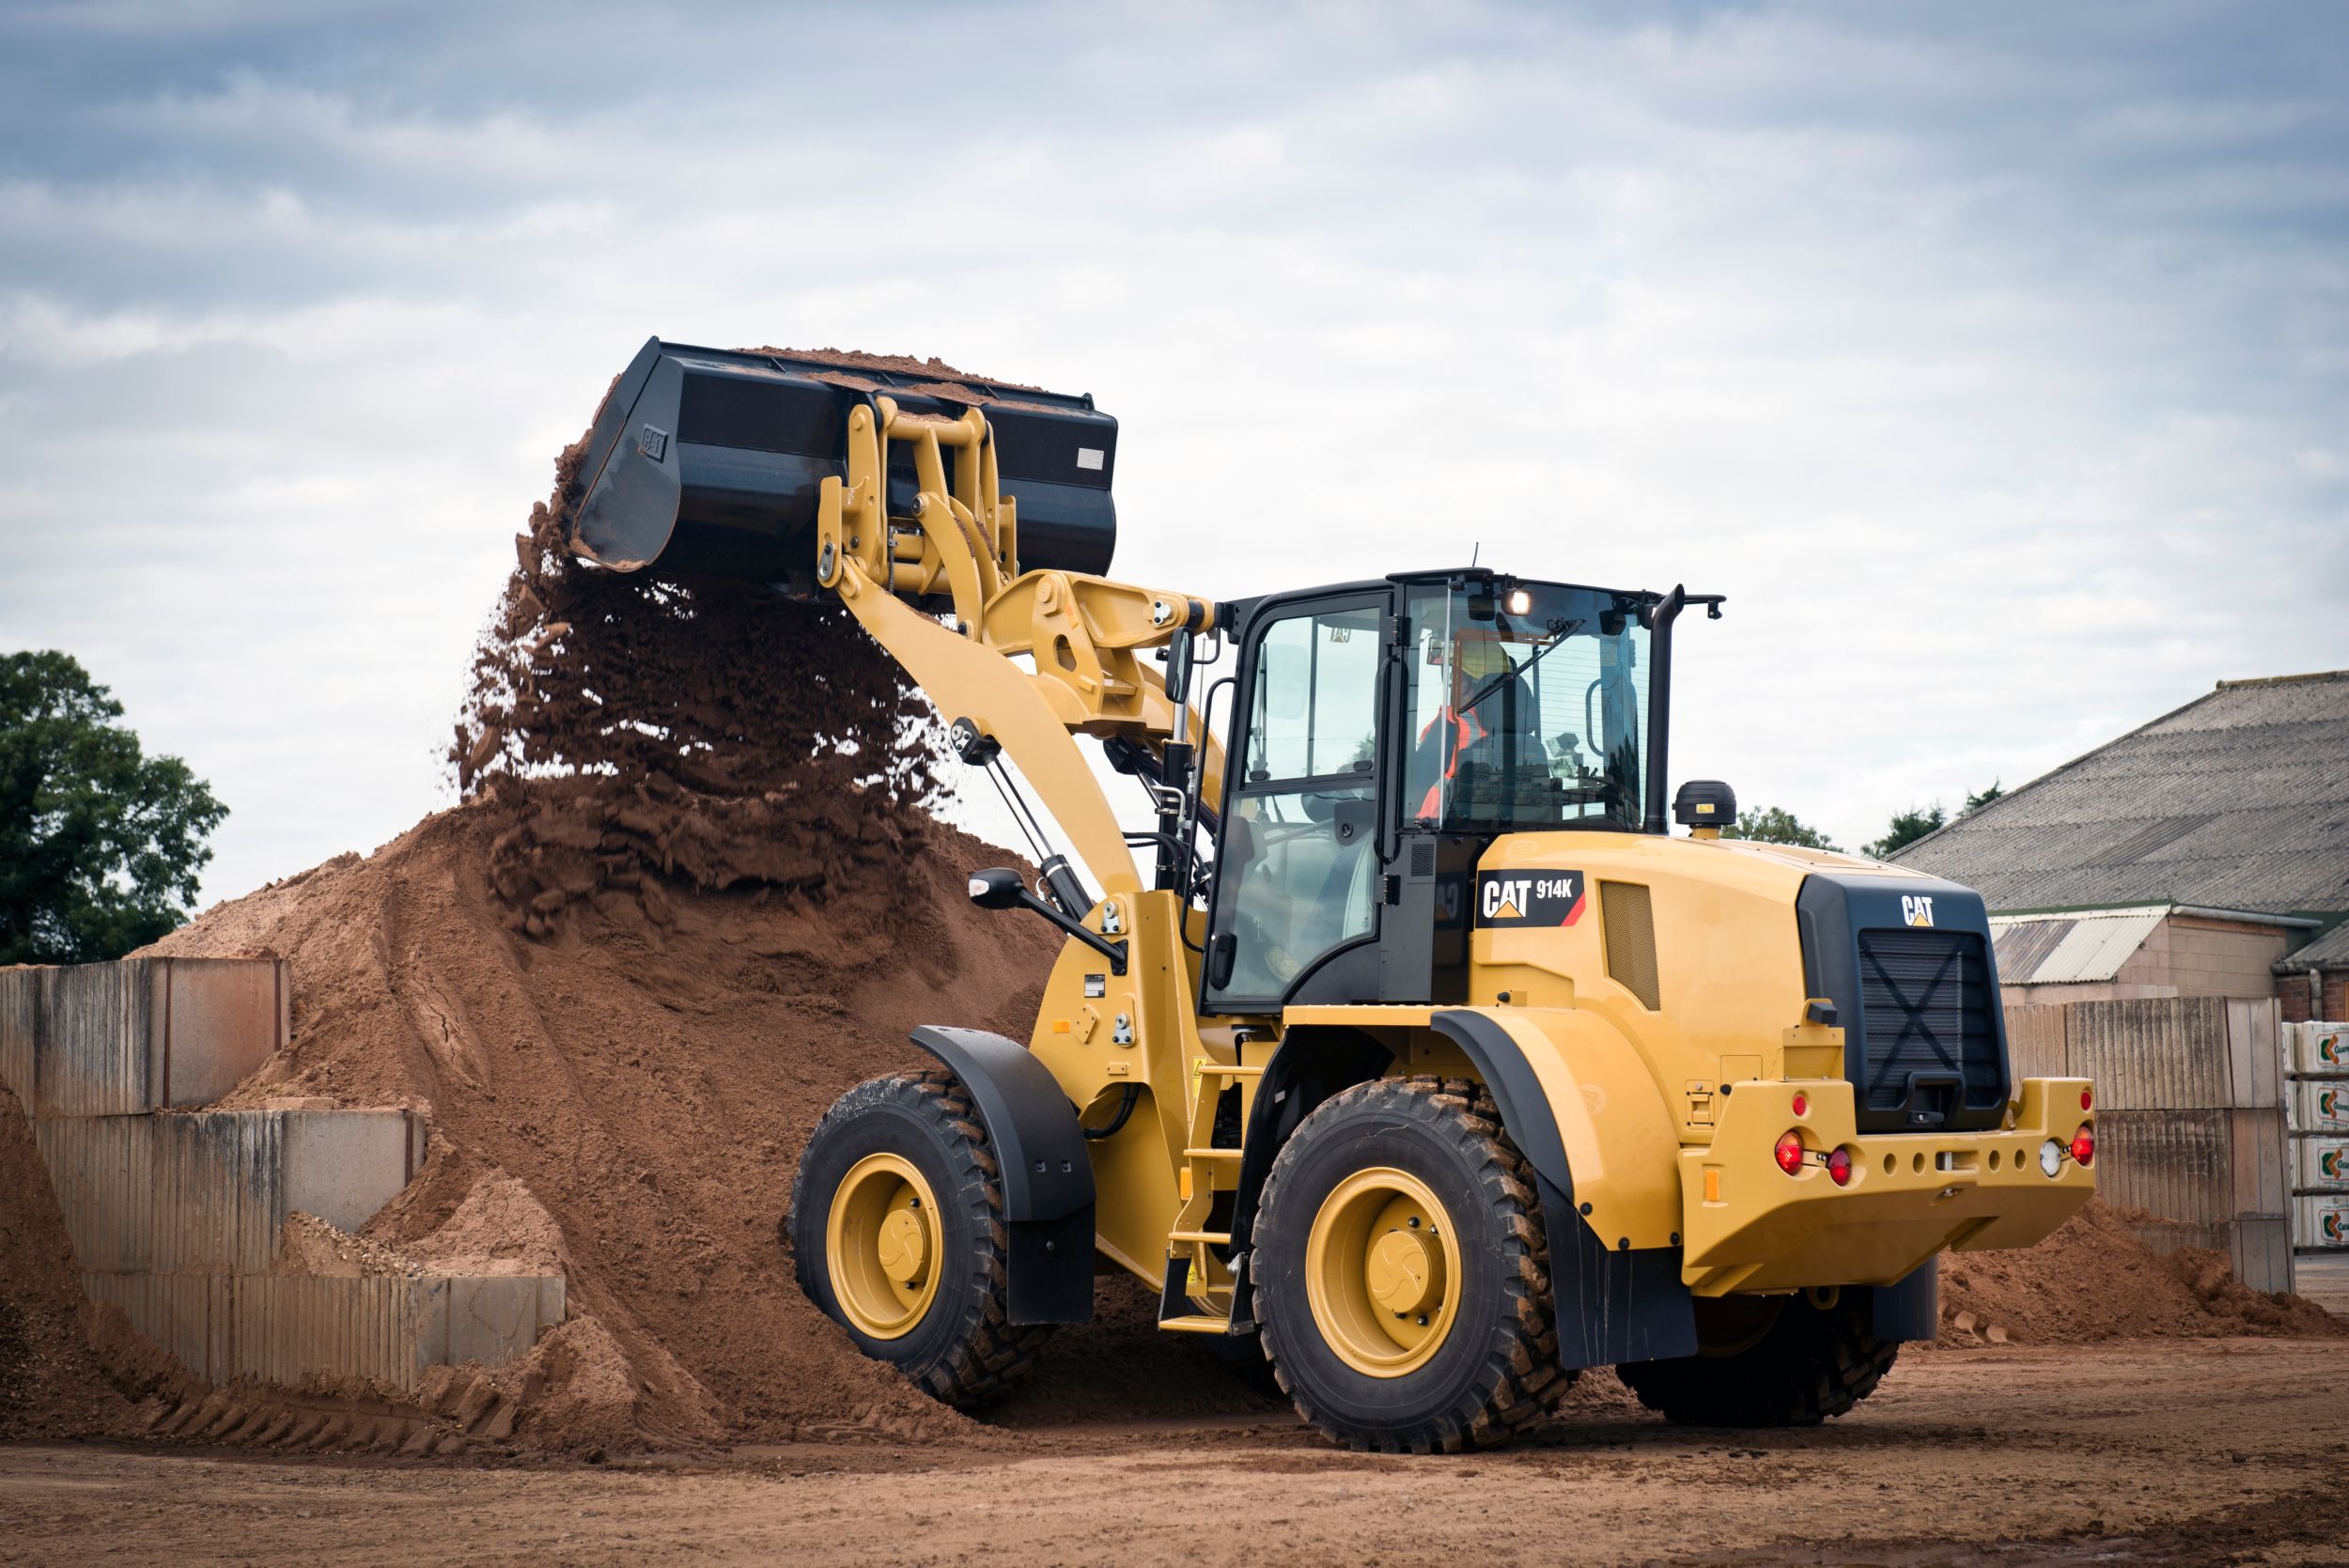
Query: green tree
column 99, row 846
column 1906, row 829
column 1777, row 825
column 1981, row 799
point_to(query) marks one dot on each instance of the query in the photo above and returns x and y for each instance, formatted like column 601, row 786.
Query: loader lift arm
column 1084, row 634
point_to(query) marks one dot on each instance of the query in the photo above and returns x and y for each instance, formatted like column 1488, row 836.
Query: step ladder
column 1193, row 1272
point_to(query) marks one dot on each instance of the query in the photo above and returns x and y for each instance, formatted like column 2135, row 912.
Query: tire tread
column 989, row 1354
column 1518, row 1381
column 1809, row 1366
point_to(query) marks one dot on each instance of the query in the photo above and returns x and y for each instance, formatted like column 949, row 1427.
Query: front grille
column 1930, row 1034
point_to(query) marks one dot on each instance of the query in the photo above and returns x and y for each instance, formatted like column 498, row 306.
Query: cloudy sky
column 1994, row 360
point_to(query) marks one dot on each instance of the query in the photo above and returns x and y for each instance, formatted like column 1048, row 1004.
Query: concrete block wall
column 176, row 1213
column 2172, row 1053
column 2209, row 958
column 2190, row 1116
column 2194, row 1166
column 387, row 1329
column 139, row 1035
column 209, row 1190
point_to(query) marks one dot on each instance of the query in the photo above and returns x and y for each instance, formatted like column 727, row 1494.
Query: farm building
column 2205, row 854
column 2159, row 907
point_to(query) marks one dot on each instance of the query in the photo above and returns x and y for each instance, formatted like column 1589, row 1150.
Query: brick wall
column 2294, row 993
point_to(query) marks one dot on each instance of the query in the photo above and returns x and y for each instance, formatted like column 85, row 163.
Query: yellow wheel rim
column 882, row 1245
column 1382, row 1272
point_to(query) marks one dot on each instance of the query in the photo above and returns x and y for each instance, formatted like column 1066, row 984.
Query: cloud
column 1994, row 361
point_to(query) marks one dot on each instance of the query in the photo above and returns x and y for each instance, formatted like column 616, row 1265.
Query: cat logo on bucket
column 1917, row 909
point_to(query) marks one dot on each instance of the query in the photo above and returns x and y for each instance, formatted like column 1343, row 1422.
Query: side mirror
column 998, row 888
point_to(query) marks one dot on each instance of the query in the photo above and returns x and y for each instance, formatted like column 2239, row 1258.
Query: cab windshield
column 1525, row 704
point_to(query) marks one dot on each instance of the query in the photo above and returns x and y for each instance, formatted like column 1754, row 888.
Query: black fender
column 1612, row 1304
column 1047, row 1175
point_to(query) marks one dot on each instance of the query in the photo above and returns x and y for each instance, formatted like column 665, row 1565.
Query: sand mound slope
column 631, row 1093
column 2094, row 1279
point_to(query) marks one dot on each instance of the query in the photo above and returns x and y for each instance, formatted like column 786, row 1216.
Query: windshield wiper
column 1560, row 630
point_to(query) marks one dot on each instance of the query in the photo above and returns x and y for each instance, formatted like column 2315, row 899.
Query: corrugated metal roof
column 2239, row 800
column 2328, row 952
column 2051, row 950
column 2097, row 947
column 2020, row 945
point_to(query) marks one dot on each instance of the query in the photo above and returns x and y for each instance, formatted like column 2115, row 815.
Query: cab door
column 1297, row 874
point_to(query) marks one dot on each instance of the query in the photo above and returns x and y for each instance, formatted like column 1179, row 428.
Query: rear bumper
column 1749, row 1226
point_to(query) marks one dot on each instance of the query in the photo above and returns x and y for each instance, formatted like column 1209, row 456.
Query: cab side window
column 1298, row 870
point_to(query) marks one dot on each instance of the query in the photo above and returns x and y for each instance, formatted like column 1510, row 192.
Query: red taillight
column 1838, row 1166
column 2087, row 1099
column 2084, row 1145
column 1802, row 1106
column 1790, row 1153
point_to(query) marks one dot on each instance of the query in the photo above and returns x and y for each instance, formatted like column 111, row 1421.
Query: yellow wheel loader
column 1426, row 1061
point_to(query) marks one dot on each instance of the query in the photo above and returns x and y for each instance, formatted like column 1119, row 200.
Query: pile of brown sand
column 691, row 896
column 628, row 1096
column 2095, row 1279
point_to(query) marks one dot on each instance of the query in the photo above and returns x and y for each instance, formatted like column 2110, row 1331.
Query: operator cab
column 1385, row 734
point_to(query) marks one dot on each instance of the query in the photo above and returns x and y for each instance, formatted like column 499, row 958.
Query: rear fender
column 1047, row 1177
column 1581, row 1106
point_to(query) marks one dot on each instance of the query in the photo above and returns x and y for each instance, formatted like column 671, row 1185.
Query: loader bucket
column 706, row 462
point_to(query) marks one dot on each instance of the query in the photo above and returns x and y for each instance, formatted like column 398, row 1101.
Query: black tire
column 963, row 1350
column 1796, row 1370
column 1495, row 1369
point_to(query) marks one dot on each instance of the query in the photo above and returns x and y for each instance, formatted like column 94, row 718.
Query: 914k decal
column 1530, row 898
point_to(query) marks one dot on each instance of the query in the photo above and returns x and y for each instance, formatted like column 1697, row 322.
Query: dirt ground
column 2188, row 1451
